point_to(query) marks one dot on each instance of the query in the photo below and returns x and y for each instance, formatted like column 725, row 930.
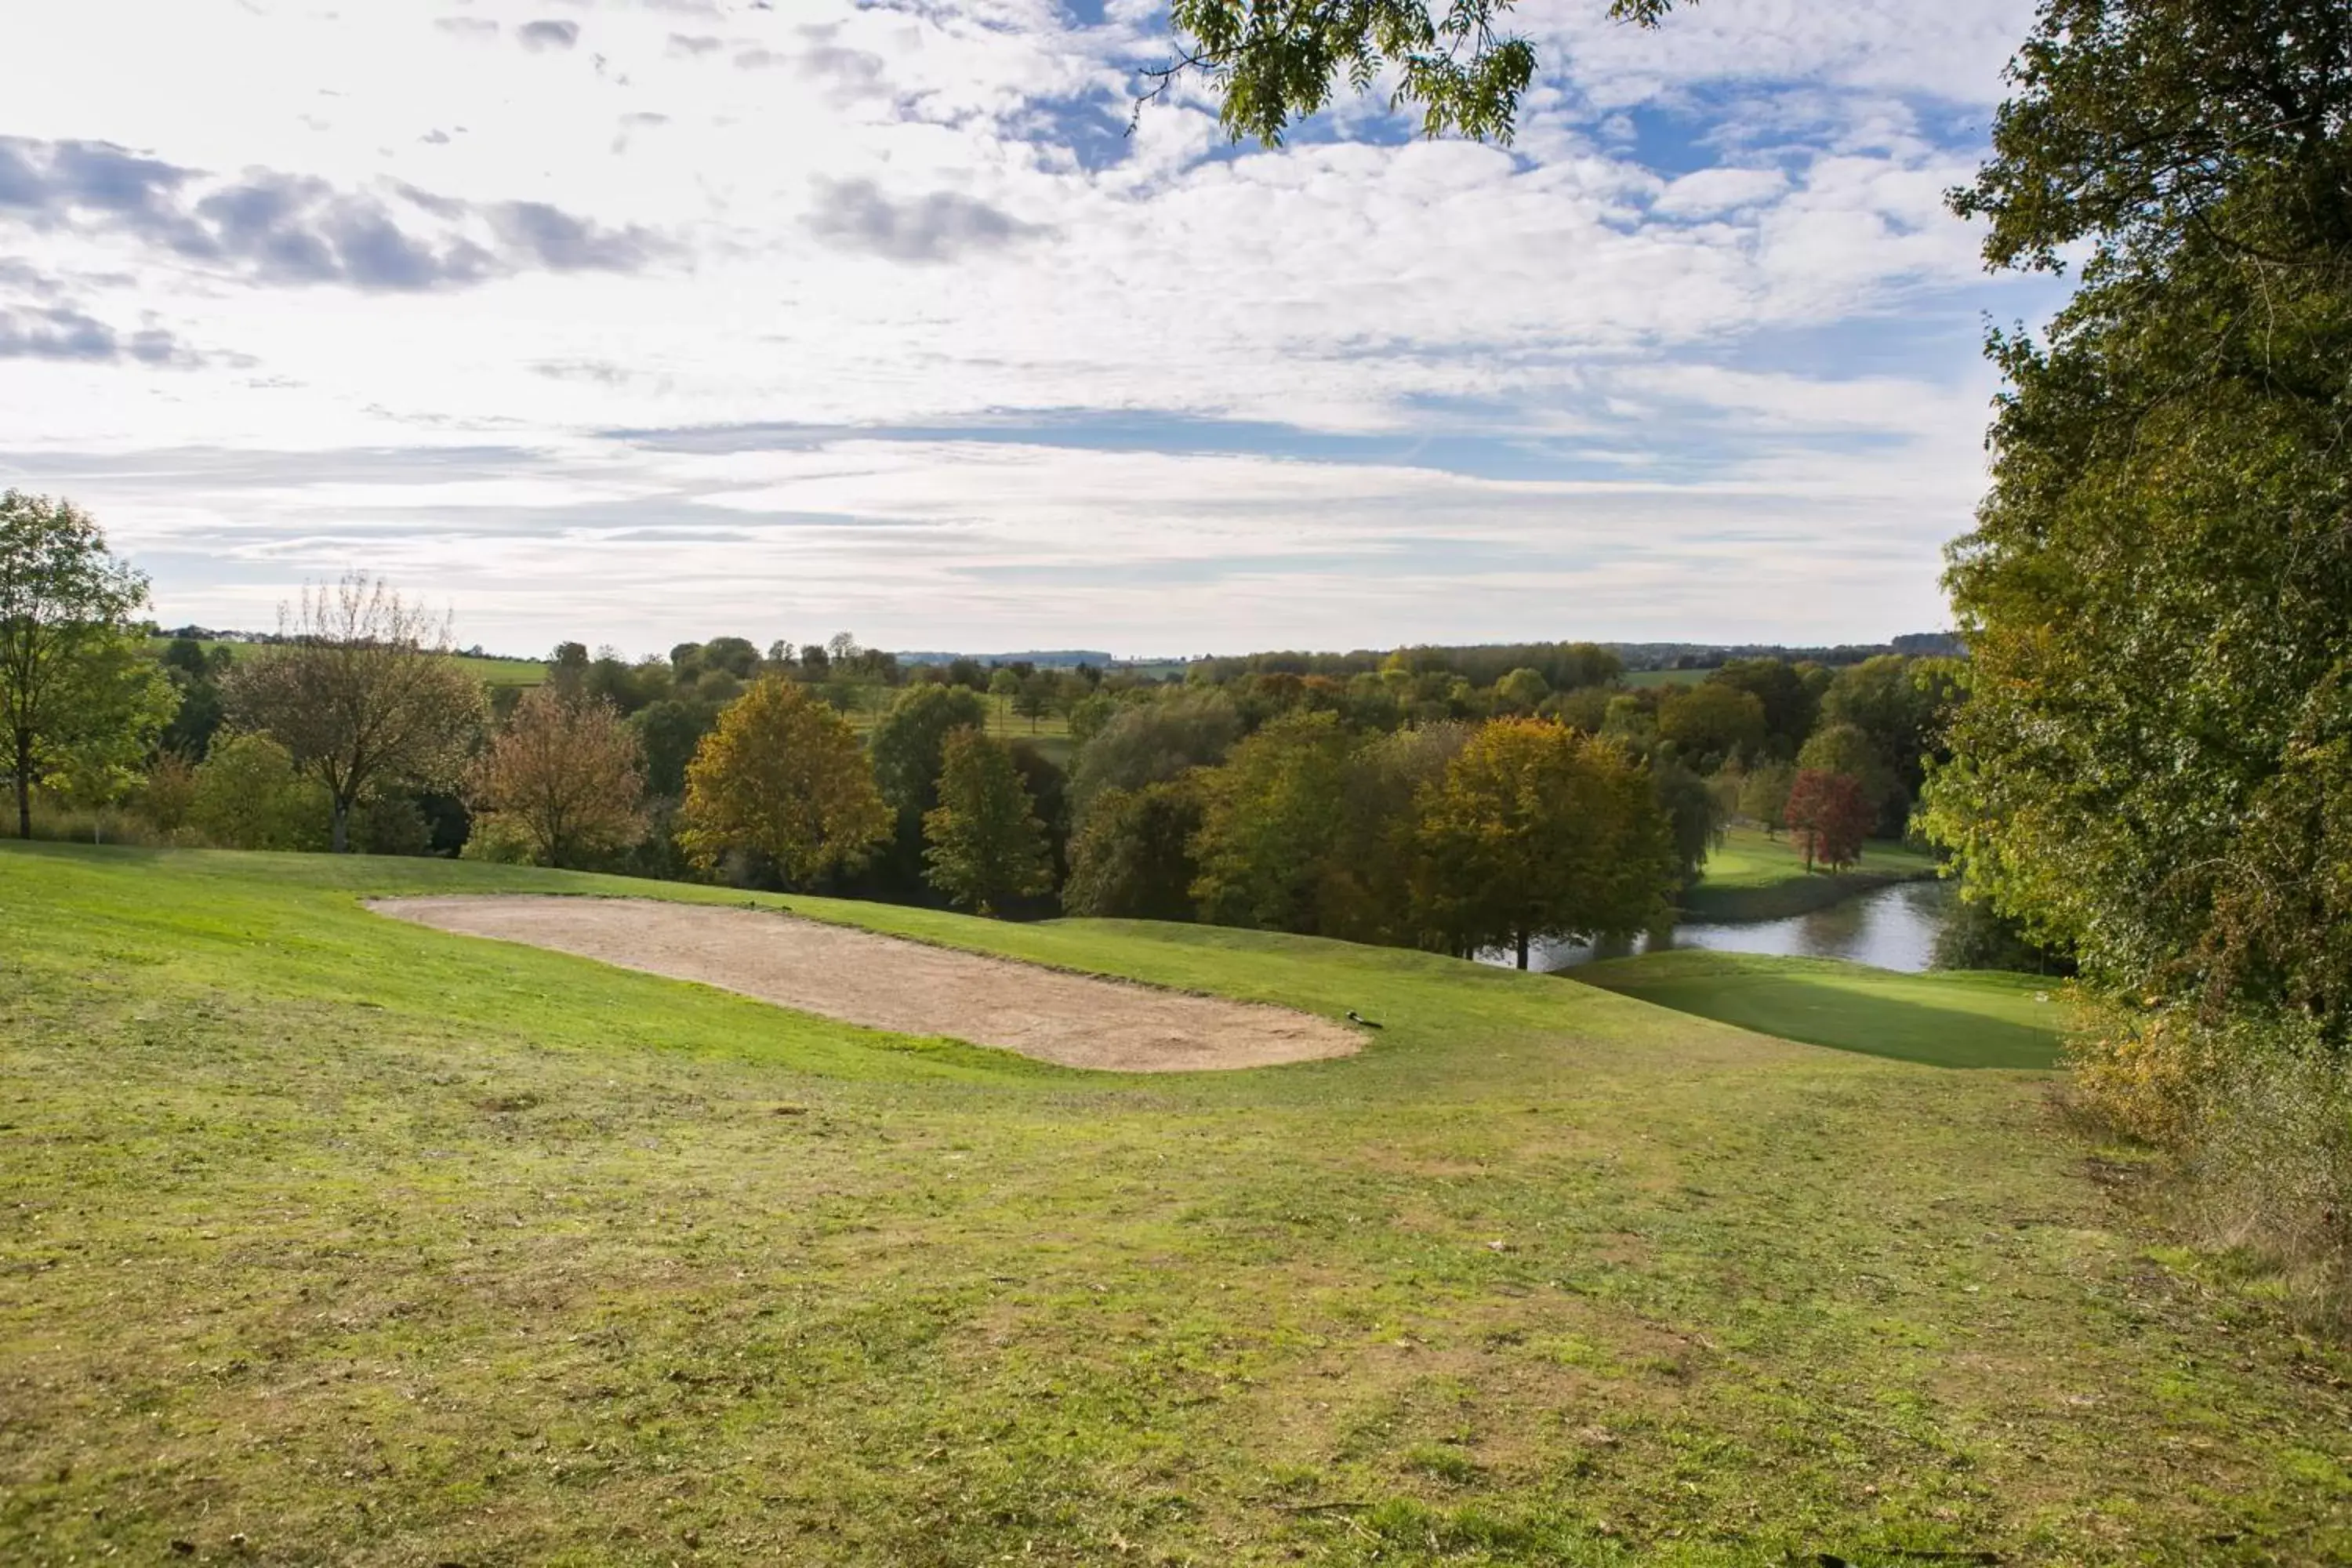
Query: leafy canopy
column 79, row 700
column 361, row 692
column 2155, row 758
column 1537, row 832
column 986, row 845
column 567, row 775
column 781, row 776
column 1273, row 61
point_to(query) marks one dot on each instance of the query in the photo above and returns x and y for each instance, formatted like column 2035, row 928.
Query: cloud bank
column 943, row 350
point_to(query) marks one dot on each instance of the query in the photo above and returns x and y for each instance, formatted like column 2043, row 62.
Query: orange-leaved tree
column 567, row 775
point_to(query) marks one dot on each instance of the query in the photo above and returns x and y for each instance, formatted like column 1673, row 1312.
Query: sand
column 884, row 982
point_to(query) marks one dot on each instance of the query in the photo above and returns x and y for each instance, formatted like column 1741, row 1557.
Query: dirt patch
column 884, row 982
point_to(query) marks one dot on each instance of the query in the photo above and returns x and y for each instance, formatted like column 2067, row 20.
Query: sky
column 641, row 321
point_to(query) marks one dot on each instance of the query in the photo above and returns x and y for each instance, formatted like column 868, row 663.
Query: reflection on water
column 1892, row 928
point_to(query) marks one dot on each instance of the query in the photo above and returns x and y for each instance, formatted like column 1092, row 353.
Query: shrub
column 248, row 796
column 2255, row 1116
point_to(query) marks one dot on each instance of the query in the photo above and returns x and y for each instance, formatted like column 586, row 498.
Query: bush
column 2270, row 1157
column 499, row 840
column 248, row 796
column 1975, row 935
column 391, row 825
column 2255, row 1116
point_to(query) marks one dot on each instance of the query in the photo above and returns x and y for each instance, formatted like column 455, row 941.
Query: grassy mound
column 1750, row 877
column 331, row 1238
column 1951, row 1020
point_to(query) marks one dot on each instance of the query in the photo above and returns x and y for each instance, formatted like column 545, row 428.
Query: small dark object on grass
column 1356, row 1017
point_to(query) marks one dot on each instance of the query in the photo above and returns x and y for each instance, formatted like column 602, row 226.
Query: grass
column 329, row 1239
column 1640, row 679
column 489, row 669
column 1753, row 876
column 1049, row 732
column 1971, row 1019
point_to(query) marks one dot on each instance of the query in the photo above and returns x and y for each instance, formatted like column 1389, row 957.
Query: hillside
column 456, row 1250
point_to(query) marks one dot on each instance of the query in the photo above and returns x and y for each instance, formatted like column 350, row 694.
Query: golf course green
column 331, row 1238
column 1964, row 1019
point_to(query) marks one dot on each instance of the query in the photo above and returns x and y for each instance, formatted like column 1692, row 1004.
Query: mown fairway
column 1951, row 1020
column 1751, row 876
column 330, row 1239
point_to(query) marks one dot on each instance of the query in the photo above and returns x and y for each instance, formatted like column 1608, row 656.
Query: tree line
column 1408, row 801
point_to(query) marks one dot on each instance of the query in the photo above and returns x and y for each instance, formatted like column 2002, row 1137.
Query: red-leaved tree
column 1829, row 816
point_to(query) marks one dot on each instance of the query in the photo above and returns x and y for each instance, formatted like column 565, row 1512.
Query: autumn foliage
column 782, row 777
column 1829, row 816
column 567, row 775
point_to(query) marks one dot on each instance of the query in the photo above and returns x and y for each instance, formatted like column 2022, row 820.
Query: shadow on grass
column 1936, row 1020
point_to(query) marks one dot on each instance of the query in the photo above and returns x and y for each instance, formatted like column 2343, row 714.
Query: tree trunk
column 342, row 841
column 24, row 803
column 1523, row 950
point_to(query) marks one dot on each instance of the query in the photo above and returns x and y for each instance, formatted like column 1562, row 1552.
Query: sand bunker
column 887, row 984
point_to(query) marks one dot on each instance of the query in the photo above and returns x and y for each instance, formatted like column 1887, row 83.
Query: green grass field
column 1049, row 732
column 325, row 1238
column 488, row 670
column 1642, row 679
column 1970, row 1019
column 1753, row 876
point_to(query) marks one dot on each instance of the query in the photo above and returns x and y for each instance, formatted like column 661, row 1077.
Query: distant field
column 329, row 1238
column 1644, row 678
column 1050, row 732
column 1954, row 1019
column 490, row 671
column 1752, row 877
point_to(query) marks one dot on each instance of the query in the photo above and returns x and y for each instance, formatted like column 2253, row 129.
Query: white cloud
column 922, row 217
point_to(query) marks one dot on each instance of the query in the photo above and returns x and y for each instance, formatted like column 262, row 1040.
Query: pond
column 1892, row 927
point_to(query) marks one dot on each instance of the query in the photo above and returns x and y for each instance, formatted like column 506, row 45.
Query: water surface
column 1892, row 927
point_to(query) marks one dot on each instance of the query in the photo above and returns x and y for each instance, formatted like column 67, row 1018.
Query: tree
column 1901, row 704
column 910, row 746
column 1367, row 892
column 568, row 773
column 1153, row 743
column 1036, row 696
column 1711, row 723
column 1847, row 749
column 1764, row 795
column 670, row 732
column 249, row 796
column 1088, row 714
column 168, row 792
column 1132, row 858
column 985, row 842
column 1536, row 832
column 2151, row 765
column 1273, row 61
column 1521, row 691
column 1004, row 685
column 1048, row 784
column 196, row 673
column 78, row 695
column 1692, row 816
column 1270, row 822
column 362, row 693
column 1830, row 816
column 1789, row 701
column 781, row 776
